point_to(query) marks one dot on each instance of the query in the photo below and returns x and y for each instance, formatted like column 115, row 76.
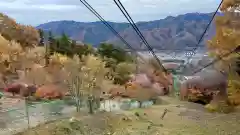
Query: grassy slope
column 182, row 119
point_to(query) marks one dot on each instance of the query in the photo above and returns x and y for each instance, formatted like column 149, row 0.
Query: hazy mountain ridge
column 178, row 32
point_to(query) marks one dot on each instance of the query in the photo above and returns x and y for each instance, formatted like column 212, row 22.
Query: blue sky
column 35, row 12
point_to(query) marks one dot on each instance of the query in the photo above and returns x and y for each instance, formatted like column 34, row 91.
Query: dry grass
column 181, row 119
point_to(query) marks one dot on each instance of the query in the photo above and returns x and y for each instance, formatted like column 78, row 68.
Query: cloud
column 35, row 12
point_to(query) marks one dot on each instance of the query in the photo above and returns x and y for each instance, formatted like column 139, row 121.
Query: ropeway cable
column 236, row 50
column 132, row 23
column 203, row 34
column 88, row 6
column 105, row 23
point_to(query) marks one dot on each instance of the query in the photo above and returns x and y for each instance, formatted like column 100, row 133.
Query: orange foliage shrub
column 131, row 85
column 49, row 92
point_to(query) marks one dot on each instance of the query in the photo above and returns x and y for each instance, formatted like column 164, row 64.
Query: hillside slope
column 170, row 33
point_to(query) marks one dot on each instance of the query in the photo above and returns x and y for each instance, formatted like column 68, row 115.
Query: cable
column 197, row 45
column 236, row 50
column 166, row 50
column 132, row 23
column 88, row 6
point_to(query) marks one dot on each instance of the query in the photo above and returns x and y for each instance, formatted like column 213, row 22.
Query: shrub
column 122, row 72
column 222, row 107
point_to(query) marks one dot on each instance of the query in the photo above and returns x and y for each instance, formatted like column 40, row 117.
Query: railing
column 28, row 115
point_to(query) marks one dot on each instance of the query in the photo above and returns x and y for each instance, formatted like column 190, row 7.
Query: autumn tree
column 111, row 51
column 27, row 36
column 226, row 40
column 84, row 77
column 122, row 72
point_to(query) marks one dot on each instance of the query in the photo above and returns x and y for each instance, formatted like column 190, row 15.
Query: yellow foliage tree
column 123, row 71
column 226, row 40
column 85, row 77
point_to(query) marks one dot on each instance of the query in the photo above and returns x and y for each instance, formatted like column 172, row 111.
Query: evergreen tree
column 41, row 35
column 111, row 51
column 72, row 48
column 64, row 45
column 51, row 43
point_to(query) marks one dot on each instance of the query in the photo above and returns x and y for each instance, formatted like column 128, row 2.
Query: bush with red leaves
column 49, row 92
column 20, row 88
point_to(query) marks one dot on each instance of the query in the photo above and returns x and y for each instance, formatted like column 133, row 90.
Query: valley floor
column 182, row 118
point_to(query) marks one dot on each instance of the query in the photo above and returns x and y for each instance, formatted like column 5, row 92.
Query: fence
column 30, row 115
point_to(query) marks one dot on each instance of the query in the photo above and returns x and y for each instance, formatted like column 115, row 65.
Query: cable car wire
column 132, row 23
column 236, row 50
column 203, row 34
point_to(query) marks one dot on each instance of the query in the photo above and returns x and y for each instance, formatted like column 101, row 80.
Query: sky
column 35, row 12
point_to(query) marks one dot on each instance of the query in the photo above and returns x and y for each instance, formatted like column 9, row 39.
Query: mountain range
column 179, row 32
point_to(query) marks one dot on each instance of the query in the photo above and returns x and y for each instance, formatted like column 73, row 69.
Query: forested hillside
column 170, row 33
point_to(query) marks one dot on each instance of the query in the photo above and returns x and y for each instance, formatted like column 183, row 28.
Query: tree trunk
column 140, row 104
column 98, row 104
column 90, row 101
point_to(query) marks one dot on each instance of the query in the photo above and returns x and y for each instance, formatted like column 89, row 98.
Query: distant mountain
column 178, row 32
